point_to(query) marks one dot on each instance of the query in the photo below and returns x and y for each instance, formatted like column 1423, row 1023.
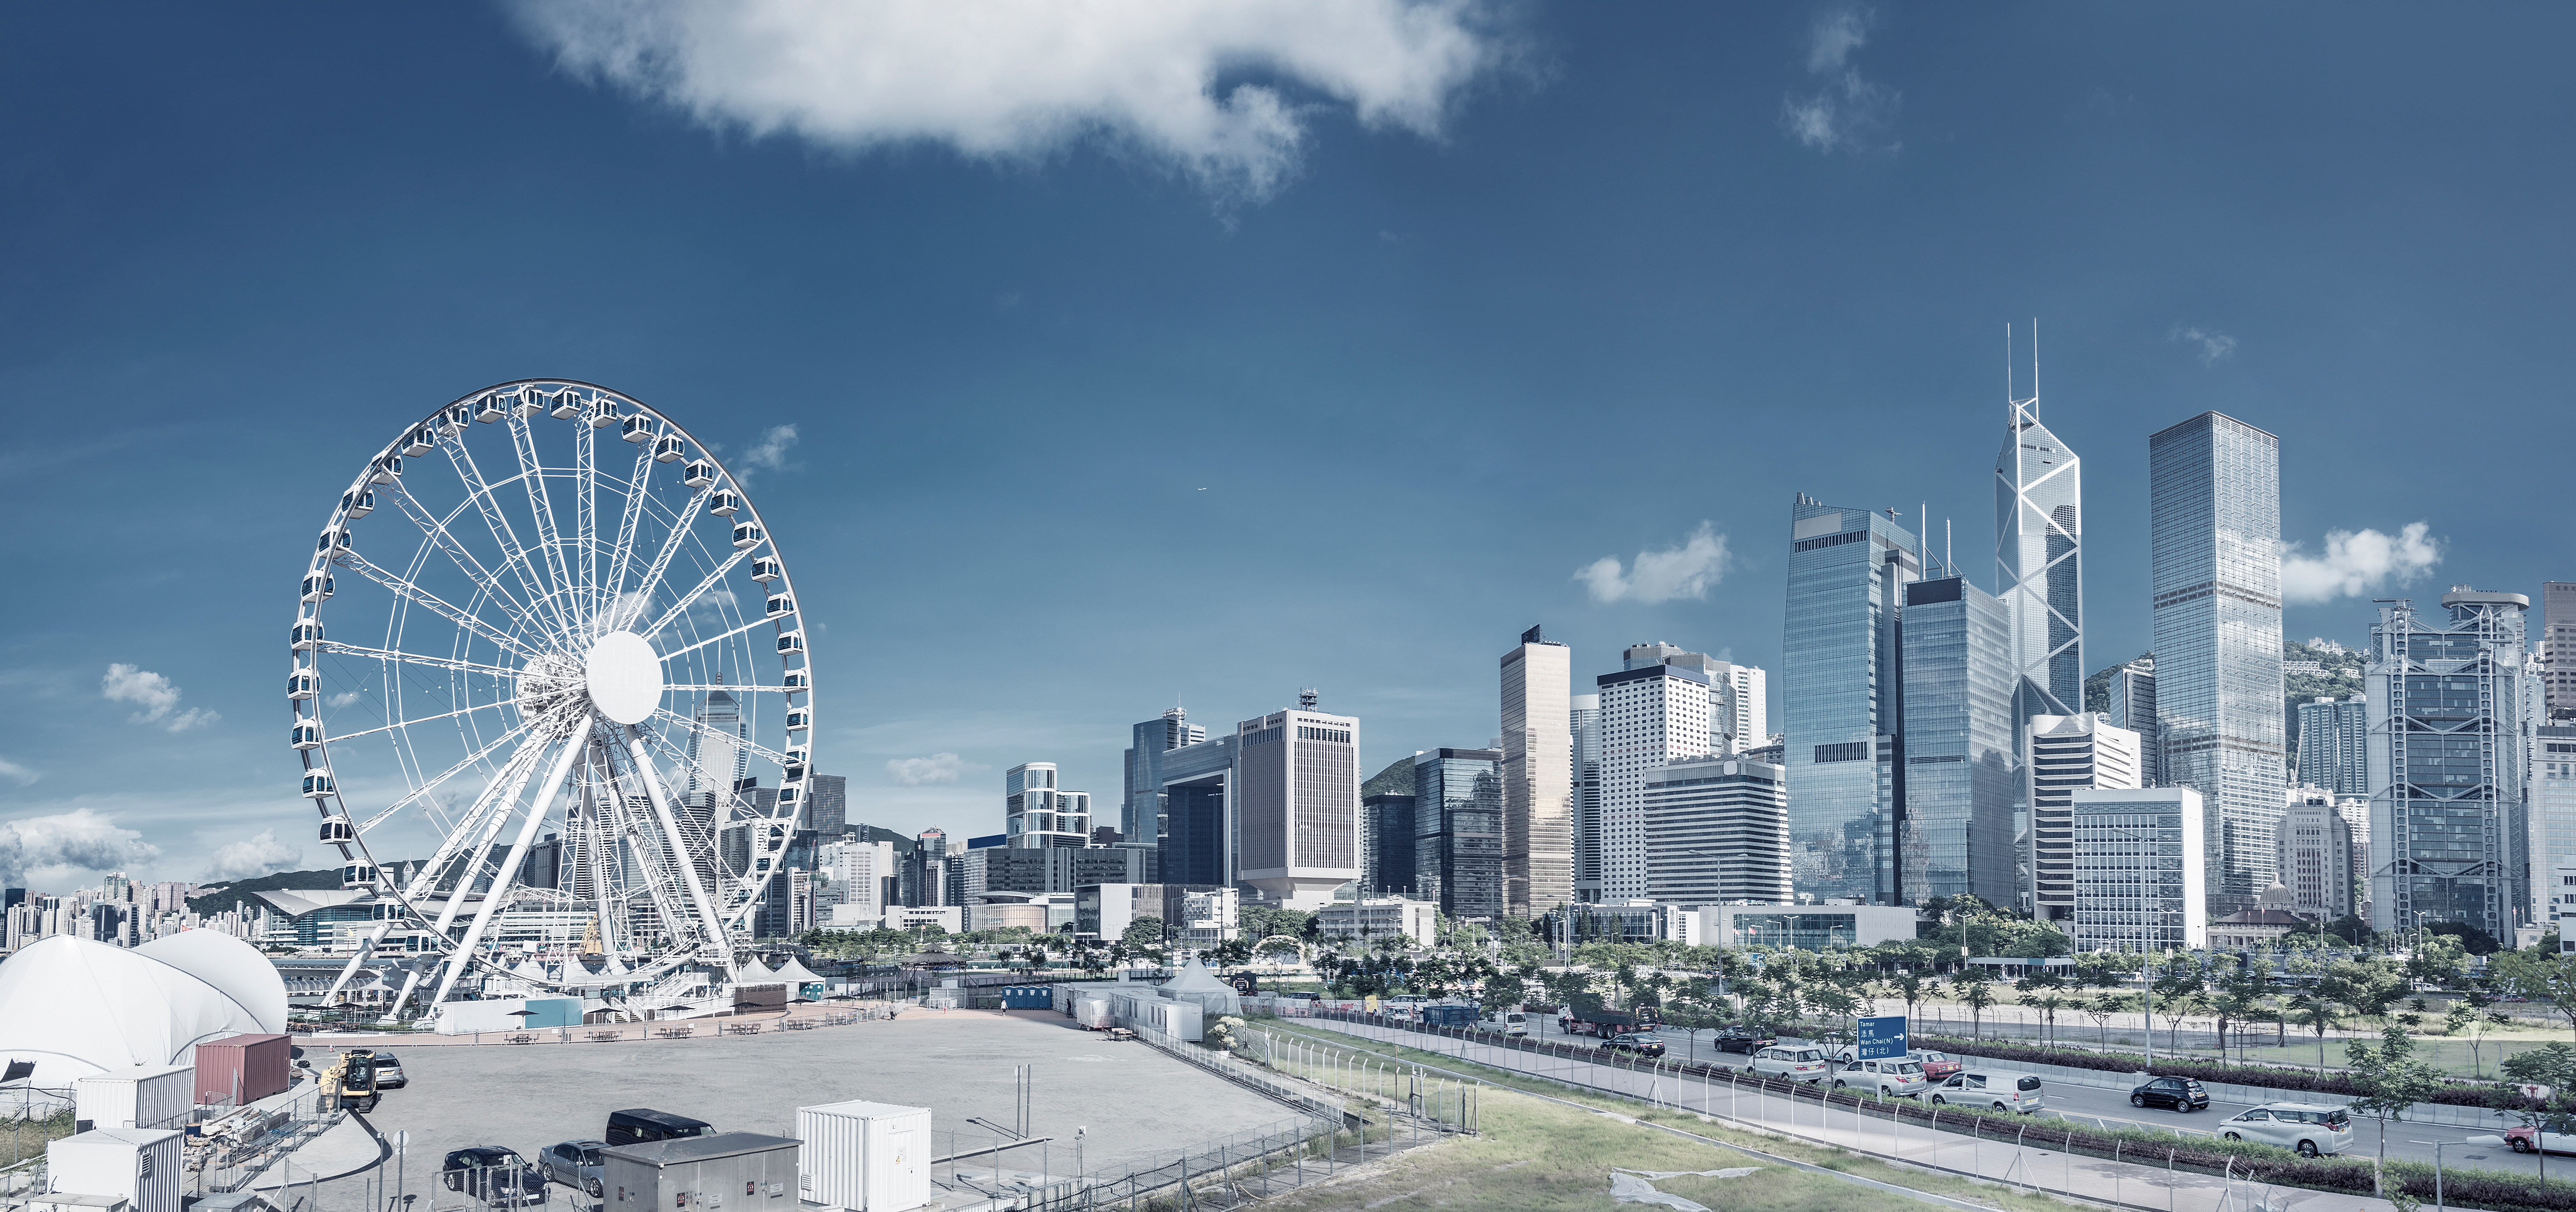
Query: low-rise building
column 1380, row 917
column 1805, row 927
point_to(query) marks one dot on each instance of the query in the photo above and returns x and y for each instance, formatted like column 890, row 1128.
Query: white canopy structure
column 79, row 1008
column 1197, row 985
column 796, row 974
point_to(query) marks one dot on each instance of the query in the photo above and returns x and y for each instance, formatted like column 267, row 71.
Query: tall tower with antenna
column 2039, row 552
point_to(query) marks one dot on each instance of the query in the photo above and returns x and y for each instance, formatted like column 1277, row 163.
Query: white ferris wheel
column 552, row 696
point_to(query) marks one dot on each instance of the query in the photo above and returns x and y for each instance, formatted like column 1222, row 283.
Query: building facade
column 2068, row 753
column 1841, row 706
column 2316, row 855
column 1387, row 831
column 1037, row 814
column 1649, row 717
column 1198, row 813
column 2334, row 737
column 1538, row 775
column 1584, row 719
column 2447, row 808
column 1380, row 917
column 2552, row 791
column 2039, row 564
column 2140, row 870
column 2558, row 647
column 1962, row 773
column 2133, row 706
column 1458, row 831
column 2214, row 485
column 1140, row 817
column 1297, row 805
column 1719, row 830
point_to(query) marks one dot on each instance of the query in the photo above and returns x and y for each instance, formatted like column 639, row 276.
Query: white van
column 1510, row 1022
column 2000, row 1091
column 1797, row 1062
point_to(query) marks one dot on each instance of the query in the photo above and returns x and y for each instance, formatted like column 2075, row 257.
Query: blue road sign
column 1882, row 1038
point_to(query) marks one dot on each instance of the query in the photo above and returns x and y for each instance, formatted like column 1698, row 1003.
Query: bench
column 606, row 1037
column 742, row 1028
column 675, row 1032
column 523, row 1039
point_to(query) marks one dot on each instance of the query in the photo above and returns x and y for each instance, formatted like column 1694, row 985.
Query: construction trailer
column 727, row 1172
column 163, row 1096
column 139, row 1166
column 865, row 1157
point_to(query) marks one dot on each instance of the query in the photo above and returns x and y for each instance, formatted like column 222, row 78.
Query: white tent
column 796, row 974
column 79, row 1008
column 230, row 965
column 1197, row 985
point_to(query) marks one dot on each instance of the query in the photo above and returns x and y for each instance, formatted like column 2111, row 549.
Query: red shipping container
column 259, row 1062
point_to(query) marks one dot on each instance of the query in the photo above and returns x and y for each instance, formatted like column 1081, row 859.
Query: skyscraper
column 2039, row 563
column 1198, row 813
column 1721, row 832
column 1297, row 804
column 2447, row 813
column 1650, row 716
column 1584, row 719
column 1538, row 776
column 2133, row 706
column 1843, row 688
column 1037, row 814
column 2067, row 754
column 1141, row 808
column 1458, row 830
column 2333, row 740
column 1962, row 766
column 2558, row 645
column 2214, row 485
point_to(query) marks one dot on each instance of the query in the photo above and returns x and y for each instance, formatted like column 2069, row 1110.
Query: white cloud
column 155, row 695
column 937, row 768
column 1020, row 80
column 344, row 699
column 2214, row 346
column 1848, row 113
column 2358, row 564
column 1659, row 576
column 259, row 854
column 18, row 774
column 194, row 717
column 77, row 839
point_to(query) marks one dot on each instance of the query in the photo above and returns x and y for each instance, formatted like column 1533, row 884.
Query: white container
column 141, row 1167
column 1092, row 1013
column 864, row 1157
column 137, row 1098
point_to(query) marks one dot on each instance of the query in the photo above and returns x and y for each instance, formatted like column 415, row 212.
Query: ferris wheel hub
column 625, row 677
column 549, row 684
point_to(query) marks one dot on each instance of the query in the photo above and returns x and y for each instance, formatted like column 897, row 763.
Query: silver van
column 2000, row 1091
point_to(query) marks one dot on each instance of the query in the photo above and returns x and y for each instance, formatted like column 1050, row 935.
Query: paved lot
column 1136, row 1102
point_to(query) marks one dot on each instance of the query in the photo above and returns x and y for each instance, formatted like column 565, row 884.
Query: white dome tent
column 78, row 1008
column 1196, row 985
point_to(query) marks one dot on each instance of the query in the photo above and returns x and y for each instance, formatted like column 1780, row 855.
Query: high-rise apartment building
column 827, row 805
column 2067, row 754
column 1538, row 776
column 1650, row 717
column 2133, row 706
column 1458, row 841
column 1584, row 719
column 2558, row 646
column 1296, row 804
column 2214, row 485
column 1736, row 711
column 2316, row 854
column 1720, row 830
column 1846, row 567
column 2139, row 876
column 2333, row 744
column 2448, row 808
column 2039, row 563
column 1141, row 808
column 1962, row 773
column 1037, row 814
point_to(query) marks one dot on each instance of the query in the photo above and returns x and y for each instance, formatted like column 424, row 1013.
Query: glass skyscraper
column 1962, row 768
column 1584, row 720
column 2039, row 564
column 2214, row 486
column 1839, row 662
column 1458, row 830
column 2332, row 736
column 1141, row 808
column 2447, row 730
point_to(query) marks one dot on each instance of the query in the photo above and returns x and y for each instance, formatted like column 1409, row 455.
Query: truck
column 1449, row 1016
column 1606, row 1023
column 350, row 1082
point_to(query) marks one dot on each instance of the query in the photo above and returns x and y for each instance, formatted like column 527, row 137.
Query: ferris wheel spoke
column 514, row 555
column 468, row 762
column 336, row 648
column 650, row 847
column 754, row 748
column 444, row 715
column 681, row 606
column 585, row 511
column 433, row 603
column 506, row 877
column 677, row 653
column 438, row 534
column 715, row 931
column 671, row 541
column 631, row 517
column 533, row 478
column 733, row 689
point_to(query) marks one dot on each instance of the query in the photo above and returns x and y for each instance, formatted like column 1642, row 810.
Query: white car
column 1510, row 1022
column 2310, row 1128
column 2000, row 1091
column 1797, row 1062
column 1894, row 1078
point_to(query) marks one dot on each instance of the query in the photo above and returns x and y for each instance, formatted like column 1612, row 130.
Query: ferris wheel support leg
column 707, row 918
column 521, row 766
column 366, row 948
column 538, row 806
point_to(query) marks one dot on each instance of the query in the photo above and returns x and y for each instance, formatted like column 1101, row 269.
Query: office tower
column 2214, row 485
column 857, row 870
column 2039, row 562
column 1538, row 776
column 1037, row 814
column 719, row 755
column 2553, row 796
column 2316, row 855
column 1141, row 811
column 1584, row 721
column 2558, row 646
column 1720, row 832
column 1387, row 831
column 2355, row 811
column 1649, row 716
column 1198, row 813
column 925, row 871
column 2066, row 754
column 2140, row 875
column 827, row 805
column 1458, row 840
column 2447, row 813
column 1297, row 804
column 2133, row 706
column 778, row 913
column 2333, row 742
column 1962, row 765
column 1842, row 708
column 1736, row 714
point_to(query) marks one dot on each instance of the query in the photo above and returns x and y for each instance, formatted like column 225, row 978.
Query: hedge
column 2455, row 1094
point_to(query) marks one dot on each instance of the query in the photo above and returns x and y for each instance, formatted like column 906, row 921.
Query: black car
column 643, row 1126
column 1745, row 1043
column 2179, row 1093
column 494, row 1176
column 1635, row 1042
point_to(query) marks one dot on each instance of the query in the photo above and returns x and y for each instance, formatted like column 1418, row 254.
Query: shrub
column 2455, row 1094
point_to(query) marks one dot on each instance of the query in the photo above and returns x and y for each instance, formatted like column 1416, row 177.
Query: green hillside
column 220, row 897
column 2340, row 678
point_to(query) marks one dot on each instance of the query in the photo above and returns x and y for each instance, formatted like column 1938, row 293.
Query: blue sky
column 1181, row 357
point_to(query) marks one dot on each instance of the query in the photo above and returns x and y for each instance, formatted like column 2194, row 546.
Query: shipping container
column 139, row 1166
column 727, row 1172
column 865, row 1157
column 1093, row 1013
column 244, row 1069
column 753, row 998
column 138, row 1098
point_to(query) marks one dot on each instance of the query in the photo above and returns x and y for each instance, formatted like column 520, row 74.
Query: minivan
column 643, row 1125
column 2001, row 1091
column 2310, row 1128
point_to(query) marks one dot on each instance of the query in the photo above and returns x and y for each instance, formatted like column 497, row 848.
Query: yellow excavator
column 350, row 1082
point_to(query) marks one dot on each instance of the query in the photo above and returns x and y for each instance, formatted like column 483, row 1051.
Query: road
column 2088, row 1105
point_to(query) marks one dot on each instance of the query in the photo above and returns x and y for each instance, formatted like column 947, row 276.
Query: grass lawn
column 1542, row 1155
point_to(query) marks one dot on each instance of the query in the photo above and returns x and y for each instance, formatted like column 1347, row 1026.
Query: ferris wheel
column 545, row 657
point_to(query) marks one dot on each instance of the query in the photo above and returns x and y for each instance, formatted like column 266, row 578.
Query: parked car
column 389, row 1074
column 1797, row 1062
column 2180, row 1093
column 493, row 1176
column 2529, row 1140
column 1634, row 1042
column 643, row 1125
column 1742, row 1042
column 1938, row 1066
column 1895, row 1078
column 2001, row 1091
column 575, row 1164
column 2310, row 1128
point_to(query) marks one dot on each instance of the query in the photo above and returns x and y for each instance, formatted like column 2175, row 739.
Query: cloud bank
column 1660, row 576
column 1848, row 113
column 258, row 854
column 2214, row 346
column 2358, row 564
column 79, row 838
column 155, row 695
column 937, row 768
column 1020, row 80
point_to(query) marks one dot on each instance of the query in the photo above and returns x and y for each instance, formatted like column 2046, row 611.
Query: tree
column 2242, row 992
column 1912, row 986
column 1974, row 987
column 2101, row 1009
column 2316, row 1009
column 1143, row 934
column 2391, row 1080
column 2046, row 992
column 2177, row 988
column 2472, row 939
column 2542, row 978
